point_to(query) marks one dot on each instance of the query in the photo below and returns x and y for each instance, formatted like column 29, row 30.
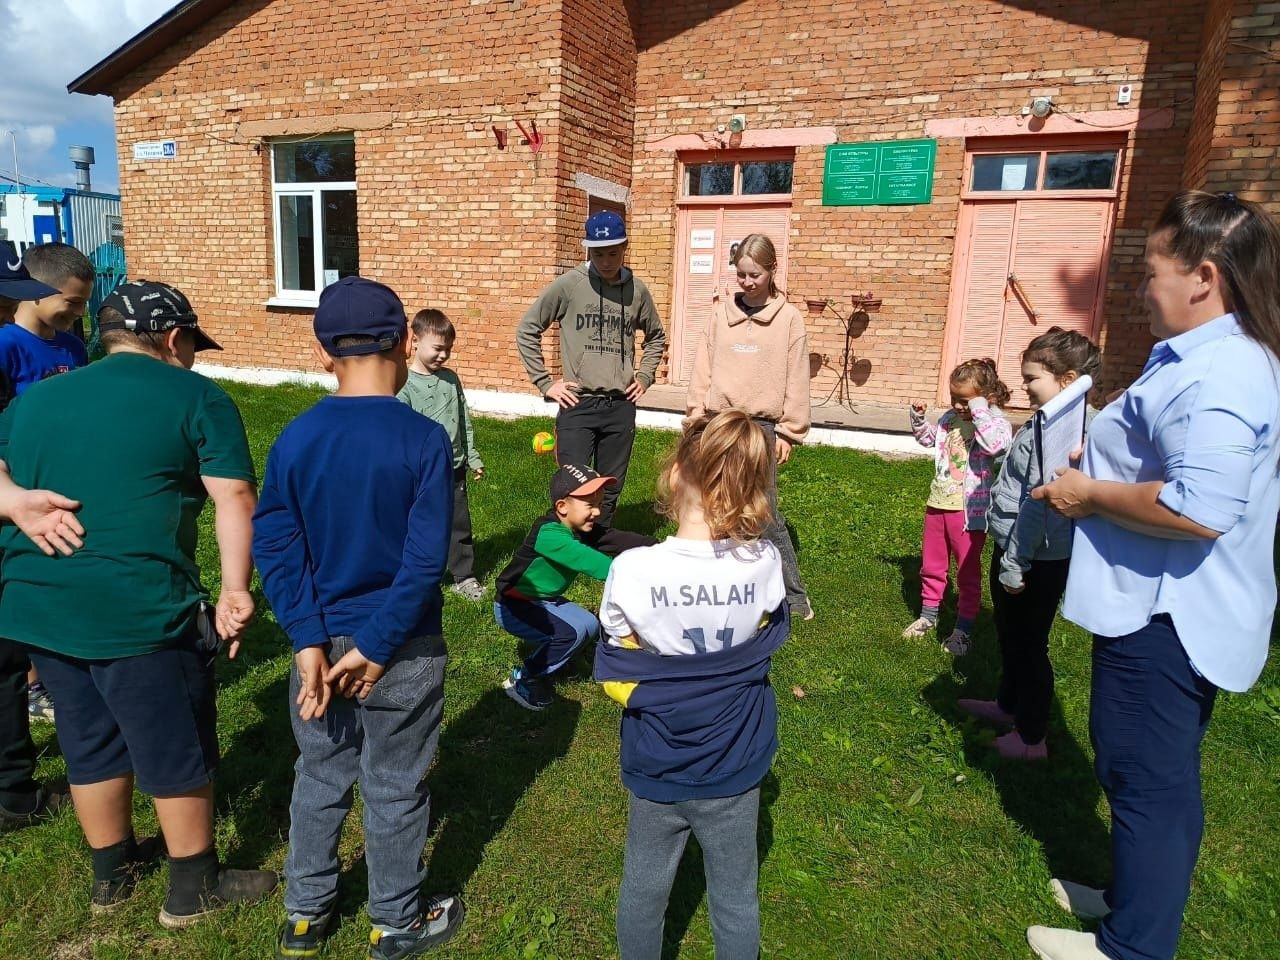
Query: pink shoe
column 988, row 711
column 1012, row 747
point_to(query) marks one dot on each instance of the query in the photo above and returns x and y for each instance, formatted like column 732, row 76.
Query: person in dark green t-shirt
column 119, row 630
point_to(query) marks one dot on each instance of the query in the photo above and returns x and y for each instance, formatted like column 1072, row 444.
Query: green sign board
column 893, row 171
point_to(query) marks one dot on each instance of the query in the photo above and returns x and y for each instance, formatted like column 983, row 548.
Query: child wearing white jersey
column 691, row 625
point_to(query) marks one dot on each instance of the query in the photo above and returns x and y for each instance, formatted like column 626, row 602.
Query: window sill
column 297, row 303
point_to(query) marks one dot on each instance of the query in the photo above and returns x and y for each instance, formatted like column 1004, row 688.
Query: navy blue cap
column 15, row 281
column 604, row 229
column 356, row 307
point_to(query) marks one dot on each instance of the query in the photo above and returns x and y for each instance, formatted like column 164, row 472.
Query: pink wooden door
column 1023, row 266
column 703, row 268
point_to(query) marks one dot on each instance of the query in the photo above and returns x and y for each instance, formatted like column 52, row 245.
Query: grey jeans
column 725, row 828
column 386, row 744
column 777, row 532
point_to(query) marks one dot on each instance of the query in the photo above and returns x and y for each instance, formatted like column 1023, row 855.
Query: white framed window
column 313, row 209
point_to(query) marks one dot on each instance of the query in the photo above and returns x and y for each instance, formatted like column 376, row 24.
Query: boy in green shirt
column 531, row 606
column 435, row 391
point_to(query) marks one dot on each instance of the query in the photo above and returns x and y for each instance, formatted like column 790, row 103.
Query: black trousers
column 17, row 752
column 462, row 547
column 599, row 432
column 1023, row 622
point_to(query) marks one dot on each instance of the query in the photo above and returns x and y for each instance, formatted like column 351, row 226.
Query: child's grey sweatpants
column 656, row 835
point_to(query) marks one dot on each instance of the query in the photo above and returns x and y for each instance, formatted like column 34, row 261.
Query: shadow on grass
column 691, row 880
column 489, row 756
column 909, row 571
column 1055, row 802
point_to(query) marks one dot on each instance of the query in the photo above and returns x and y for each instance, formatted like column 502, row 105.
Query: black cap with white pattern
column 149, row 306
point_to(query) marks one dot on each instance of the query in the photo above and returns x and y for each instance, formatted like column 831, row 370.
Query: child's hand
column 918, row 408
column 478, row 473
column 354, row 674
column 313, row 691
column 978, row 403
column 782, row 449
column 1014, row 591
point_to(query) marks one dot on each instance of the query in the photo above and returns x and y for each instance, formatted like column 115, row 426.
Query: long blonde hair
column 725, row 460
column 760, row 249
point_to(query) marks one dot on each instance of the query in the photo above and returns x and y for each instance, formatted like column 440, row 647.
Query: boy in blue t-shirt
column 351, row 537
column 38, row 345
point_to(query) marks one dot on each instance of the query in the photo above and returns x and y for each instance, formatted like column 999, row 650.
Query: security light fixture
column 1041, row 107
column 737, row 123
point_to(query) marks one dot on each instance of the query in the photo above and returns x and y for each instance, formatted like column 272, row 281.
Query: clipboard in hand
column 1059, row 428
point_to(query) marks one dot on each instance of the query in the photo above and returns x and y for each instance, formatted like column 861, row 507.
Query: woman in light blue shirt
column 1172, row 567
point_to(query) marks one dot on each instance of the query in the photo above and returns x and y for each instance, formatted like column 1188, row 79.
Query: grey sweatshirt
column 1025, row 529
column 598, row 323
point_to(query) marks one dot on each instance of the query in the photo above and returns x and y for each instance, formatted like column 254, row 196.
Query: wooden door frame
column 969, row 202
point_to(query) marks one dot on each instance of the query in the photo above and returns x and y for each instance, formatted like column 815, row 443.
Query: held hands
column 636, row 390
column 313, row 692
column 564, row 392
column 354, row 675
column 233, row 613
column 49, row 521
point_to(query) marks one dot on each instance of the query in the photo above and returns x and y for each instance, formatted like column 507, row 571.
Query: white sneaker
column 920, row 627
column 469, row 588
column 1051, row 943
column 1087, row 903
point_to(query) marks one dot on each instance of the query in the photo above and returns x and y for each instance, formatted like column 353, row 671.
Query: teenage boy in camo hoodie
column 598, row 306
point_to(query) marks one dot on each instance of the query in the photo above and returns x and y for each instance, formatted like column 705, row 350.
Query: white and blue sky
column 44, row 45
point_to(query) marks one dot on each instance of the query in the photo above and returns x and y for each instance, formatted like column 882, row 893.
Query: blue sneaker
column 531, row 693
column 441, row 918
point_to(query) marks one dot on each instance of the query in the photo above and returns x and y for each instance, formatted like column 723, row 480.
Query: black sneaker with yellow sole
column 301, row 937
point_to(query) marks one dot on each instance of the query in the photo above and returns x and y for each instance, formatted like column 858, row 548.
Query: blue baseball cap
column 604, row 229
column 356, row 307
column 15, row 280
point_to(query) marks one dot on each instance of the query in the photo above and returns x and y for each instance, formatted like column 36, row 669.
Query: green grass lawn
column 887, row 829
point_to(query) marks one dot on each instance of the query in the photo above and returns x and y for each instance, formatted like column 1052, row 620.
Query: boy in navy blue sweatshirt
column 351, row 537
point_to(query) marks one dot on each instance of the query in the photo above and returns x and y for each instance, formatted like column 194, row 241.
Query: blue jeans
column 1148, row 714
column 725, row 829
column 386, row 743
column 550, row 631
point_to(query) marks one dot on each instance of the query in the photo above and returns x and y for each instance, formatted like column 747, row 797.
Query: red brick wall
column 880, row 71
column 450, row 221
column 1217, row 28
column 1239, row 128
column 445, row 218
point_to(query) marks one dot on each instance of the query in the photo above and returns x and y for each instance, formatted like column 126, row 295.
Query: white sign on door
column 702, row 239
column 702, row 263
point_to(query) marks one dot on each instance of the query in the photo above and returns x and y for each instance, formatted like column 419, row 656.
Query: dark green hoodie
column 598, row 323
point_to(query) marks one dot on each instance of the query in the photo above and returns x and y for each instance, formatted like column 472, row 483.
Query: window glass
column 341, row 245
column 1093, row 170
column 315, row 161
column 709, row 180
column 297, row 244
column 1014, row 171
column 768, row 176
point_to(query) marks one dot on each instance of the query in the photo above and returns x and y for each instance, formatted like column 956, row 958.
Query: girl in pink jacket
column 966, row 442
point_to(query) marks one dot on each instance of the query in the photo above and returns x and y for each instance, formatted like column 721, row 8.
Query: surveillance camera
column 1041, row 107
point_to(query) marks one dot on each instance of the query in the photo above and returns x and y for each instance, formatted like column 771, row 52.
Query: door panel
column 703, row 267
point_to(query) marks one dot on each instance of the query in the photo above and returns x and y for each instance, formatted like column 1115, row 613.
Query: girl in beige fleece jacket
column 754, row 357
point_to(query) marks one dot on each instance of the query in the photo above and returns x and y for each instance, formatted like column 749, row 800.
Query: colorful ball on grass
column 544, row 442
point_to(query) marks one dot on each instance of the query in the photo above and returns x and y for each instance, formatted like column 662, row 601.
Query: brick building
column 309, row 140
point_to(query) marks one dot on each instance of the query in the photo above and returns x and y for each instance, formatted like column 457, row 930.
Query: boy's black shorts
column 153, row 715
